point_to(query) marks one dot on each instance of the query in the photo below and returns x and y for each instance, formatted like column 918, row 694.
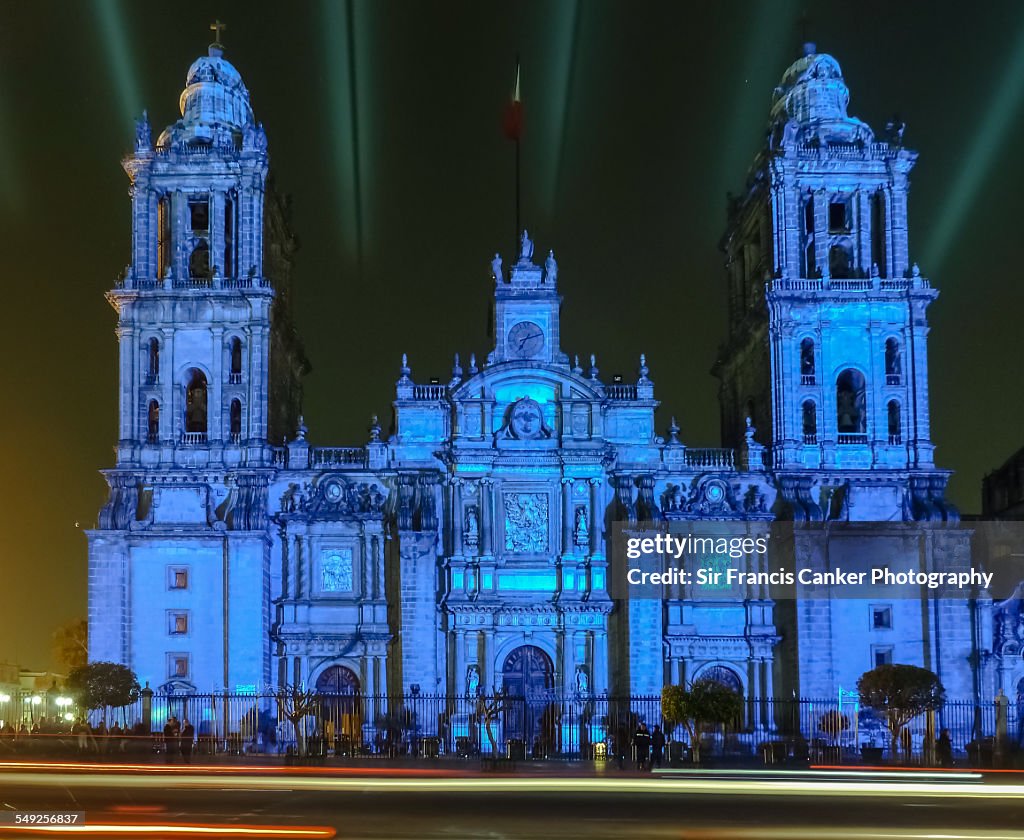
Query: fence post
column 1002, row 710
column 147, row 708
column 928, row 753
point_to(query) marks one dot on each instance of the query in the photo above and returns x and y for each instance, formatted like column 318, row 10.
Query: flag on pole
column 513, row 122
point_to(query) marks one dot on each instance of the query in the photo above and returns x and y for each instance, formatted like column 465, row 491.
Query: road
column 421, row 805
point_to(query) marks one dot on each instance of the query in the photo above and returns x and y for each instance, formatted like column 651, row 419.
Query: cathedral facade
column 469, row 548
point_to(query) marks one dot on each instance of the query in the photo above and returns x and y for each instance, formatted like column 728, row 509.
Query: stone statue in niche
column 582, row 532
column 472, row 533
column 473, row 681
column 582, row 680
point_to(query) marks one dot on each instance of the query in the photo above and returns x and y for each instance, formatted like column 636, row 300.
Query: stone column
column 457, row 546
column 862, row 198
column 596, row 516
column 600, row 681
column 370, row 665
column 215, row 389
column 567, row 516
column 378, row 566
column 821, row 201
column 168, row 410
column 459, row 636
column 489, row 676
column 366, row 560
column 890, row 259
column 179, row 257
column 215, row 233
column 486, row 517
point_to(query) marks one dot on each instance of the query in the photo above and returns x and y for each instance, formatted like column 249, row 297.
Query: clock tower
column 526, row 308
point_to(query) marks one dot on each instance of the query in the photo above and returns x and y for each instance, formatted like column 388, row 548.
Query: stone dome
column 214, row 104
column 814, row 96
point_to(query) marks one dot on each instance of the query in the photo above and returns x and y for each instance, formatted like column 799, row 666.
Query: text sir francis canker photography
column 514, row 419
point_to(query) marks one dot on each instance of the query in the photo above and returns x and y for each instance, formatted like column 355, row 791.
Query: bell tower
column 194, row 306
column 209, row 372
column 827, row 347
column 526, row 309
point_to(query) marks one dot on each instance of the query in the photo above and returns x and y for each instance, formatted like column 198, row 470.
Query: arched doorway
column 723, row 676
column 531, row 713
column 341, row 709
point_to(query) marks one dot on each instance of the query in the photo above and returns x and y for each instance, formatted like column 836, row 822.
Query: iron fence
column 548, row 726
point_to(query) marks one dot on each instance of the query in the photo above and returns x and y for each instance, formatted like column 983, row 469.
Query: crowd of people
column 98, row 738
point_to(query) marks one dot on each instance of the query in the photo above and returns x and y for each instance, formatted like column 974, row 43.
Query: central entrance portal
column 341, row 709
column 531, row 713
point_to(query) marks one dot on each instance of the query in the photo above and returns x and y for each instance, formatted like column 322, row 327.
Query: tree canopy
column 901, row 693
column 704, row 702
column 97, row 685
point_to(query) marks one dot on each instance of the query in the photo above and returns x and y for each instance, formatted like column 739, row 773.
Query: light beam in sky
column 119, row 58
column 346, row 41
column 976, row 164
column 564, row 40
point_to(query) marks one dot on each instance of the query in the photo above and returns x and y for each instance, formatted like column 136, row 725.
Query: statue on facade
column 550, row 268
column 375, row 499
column 473, row 681
column 582, row 531
column 582, row 680
column 143, row 133
column 525, row 248
column 472, row 535
column 496, row 269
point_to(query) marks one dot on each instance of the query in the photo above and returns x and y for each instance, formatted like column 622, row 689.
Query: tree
column 705, row 702
column 102, row 685
column 901, row 693
column 295, row 704
column 70, row 644
column 488, row 709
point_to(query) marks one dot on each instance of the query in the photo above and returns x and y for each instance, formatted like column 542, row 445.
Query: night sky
column 384, row 126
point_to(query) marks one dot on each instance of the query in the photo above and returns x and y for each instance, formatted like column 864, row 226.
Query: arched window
column 236, row 421
column 199, row 261
column 840, row 261
column 154, row 360
column 851, row 407
column 895, row 422
column 810, row 422
column 893, row 364
column 235, row 376
column 807, row 361
column 153, row 422
column 195, row 407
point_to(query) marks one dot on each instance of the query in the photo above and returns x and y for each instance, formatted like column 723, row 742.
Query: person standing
column 657, row 746
column 642, row 746
column 944, row 749
column 186, row 739
column 170, row 738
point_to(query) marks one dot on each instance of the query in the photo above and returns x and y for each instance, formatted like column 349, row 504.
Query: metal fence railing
column 536, row 726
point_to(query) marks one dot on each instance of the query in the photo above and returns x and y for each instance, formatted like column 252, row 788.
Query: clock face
column 525, row 339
